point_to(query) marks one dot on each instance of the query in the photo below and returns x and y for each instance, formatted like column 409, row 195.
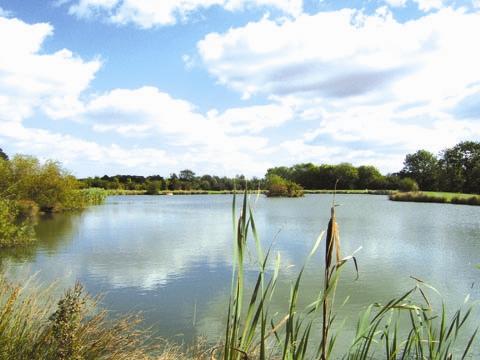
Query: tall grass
column 406, row 327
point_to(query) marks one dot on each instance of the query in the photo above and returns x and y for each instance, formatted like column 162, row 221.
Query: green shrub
column 14, row 229
column 279, row 187
column 407, row 184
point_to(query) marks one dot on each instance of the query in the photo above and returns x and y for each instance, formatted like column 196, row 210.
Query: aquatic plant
column 405, row 327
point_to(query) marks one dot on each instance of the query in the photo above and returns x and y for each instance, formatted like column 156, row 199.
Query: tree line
column 185, row 180
column 455, row 169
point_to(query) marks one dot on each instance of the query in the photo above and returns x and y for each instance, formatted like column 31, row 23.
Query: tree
column 153, row 187
column 460, row 168
column 3, row 156
column 369, row 177
column 422, row 167
column 347, row 176
column 187, row 175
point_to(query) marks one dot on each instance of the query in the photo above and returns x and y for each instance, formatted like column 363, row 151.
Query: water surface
column 170, row 257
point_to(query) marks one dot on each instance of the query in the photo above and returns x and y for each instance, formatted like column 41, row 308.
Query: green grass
column 436, row 197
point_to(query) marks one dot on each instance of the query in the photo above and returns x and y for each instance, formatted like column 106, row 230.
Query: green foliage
column 153, row 187
column 185, row 181
column 3, row 156
column 422, row 167
column 279, row 187
column 460, row 168
column 14, row 230
column 407, row 185
column 48, row 185
column 349, row 177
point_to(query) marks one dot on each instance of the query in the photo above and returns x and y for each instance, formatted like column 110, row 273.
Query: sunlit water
column 170, row 257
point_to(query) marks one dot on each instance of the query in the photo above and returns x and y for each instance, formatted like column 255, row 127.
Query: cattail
column 332, row 242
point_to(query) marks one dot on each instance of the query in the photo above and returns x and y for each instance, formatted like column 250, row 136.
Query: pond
column 170, row 257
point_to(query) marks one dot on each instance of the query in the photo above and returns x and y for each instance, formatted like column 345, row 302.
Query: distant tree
column 174, row 182
column 187, row 175
column 423, row 167
column 369, row 178
column 460, row 168
column 153, row 187
column 282, row 171
column 3, row 155
column 347, row 176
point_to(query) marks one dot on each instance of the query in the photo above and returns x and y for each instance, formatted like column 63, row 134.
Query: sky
column 232, row 87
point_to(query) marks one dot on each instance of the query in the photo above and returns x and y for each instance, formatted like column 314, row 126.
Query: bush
column 14, row 229
column 48, row 185
column 279, row 187
column 407, row 184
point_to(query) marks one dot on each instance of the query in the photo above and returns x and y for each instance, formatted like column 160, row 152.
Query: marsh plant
column 406, row 327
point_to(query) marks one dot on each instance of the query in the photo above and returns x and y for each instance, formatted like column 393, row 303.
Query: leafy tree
column 153, row 187
column 3, row 156
column 423, row 167
column 187, row 175
column 460, row 168
column 369, row 178
column 347, row 176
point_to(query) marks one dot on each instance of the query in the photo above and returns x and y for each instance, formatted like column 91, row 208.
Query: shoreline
column 437, row 197
column 231, row 192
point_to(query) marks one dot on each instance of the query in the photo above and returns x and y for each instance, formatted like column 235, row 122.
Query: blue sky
column 236, row 86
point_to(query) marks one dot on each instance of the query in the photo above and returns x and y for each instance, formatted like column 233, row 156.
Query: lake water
column 170, row 257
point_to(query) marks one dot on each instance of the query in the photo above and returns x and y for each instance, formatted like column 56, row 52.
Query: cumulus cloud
column 360, row 79
column 31, row 80
column 41, row 86
column 150, row 13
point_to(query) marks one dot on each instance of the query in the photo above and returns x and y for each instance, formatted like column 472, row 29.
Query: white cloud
column 150, row 13
column 372, row 87
column 42, row 86
column 33, row 80
column 427, row 5
column 396, row 3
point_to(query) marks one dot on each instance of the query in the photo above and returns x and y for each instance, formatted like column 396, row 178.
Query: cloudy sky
column 236, row 86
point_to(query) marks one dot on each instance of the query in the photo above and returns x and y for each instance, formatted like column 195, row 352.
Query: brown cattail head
column 333, row 240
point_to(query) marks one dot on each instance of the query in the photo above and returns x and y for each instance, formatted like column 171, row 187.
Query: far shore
column 418, row 196
column 437, row 197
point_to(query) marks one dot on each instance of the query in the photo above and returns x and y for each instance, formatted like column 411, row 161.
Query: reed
column 406, row 327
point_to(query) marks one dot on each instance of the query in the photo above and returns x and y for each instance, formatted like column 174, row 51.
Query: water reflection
column 170, row 257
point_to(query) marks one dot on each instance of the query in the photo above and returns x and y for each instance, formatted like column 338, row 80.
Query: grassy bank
column 350, row 192
column 436, row 197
